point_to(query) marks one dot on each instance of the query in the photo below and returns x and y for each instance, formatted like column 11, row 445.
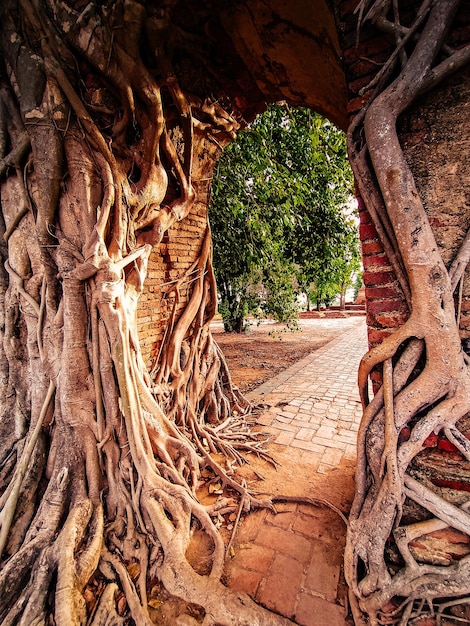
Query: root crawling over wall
column 426, row 383
column 101, row 460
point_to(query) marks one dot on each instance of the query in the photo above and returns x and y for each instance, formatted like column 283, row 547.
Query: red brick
column 314, row 611
column 243, row 580
column 367, row 231
column 282, row 519
column 371, row 247
column 356, row 85
column 360, row 202
column 279, row 590
column 250, row 526
column 382, row 293
column 376, row 379
column 376, row 336
column 331, row 527
column 285, row 542
column 367, row 48
column 378, row 278
column 376, row 260
column 390, row 320
column 253, row 557
column 310, row 510
column 457, row 485
column 444, row 444
column 364, row 67
column 430, row 441
column 357, row 104
column 310, row 526
column 364, row 216
column 386, row 306
column 323, row 572
column 404, row 434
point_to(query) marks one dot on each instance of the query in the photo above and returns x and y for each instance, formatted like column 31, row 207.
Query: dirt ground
column 264, row 350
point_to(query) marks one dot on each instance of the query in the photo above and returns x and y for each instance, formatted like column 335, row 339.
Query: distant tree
column 336, row 268
column 278, row 216
column 249, row 213
column 324, row 243
column 348, row 264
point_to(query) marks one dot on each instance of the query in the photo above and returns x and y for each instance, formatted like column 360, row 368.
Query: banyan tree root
column 426, row 383
column 101, row 461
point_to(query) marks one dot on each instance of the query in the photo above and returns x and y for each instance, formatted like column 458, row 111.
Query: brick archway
column 112, row 117
column 308, row 55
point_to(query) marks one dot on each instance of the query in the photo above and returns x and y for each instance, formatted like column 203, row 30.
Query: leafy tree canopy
column 278, row 216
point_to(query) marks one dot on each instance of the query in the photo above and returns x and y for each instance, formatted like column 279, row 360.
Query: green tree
column 335, row 268
column 348, row 263
column 278, row 218
column 250, row 213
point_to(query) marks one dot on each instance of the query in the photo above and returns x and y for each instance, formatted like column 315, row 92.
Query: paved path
column 290, row 562
column 314, row 404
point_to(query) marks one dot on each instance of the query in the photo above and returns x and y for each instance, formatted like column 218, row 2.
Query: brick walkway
column 314, row 405
column 290, row 562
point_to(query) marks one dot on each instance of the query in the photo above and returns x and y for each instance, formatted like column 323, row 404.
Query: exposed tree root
column 98, row 485
column 426, row 403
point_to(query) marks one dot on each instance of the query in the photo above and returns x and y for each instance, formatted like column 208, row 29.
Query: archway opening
column 285, row 182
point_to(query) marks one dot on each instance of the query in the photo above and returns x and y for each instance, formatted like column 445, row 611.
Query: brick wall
column 385, row 305
column 436, row 142
column 170, row 261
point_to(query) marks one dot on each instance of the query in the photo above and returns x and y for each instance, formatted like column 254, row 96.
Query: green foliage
column 279, row 298
column 277, row 215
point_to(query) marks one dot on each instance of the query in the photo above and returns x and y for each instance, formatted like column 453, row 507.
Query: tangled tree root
column 426, row 384
column 103, row 460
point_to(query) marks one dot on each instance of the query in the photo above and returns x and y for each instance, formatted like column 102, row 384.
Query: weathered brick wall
column 170, row 262
column 436, row 142
column 385, row 304
column 435, row 136
column 168, row 265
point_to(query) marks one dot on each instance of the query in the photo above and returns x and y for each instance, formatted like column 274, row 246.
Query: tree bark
column 102, row 461
column 425, row 403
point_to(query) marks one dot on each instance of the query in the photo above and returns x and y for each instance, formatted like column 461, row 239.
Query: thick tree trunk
column 102, row 459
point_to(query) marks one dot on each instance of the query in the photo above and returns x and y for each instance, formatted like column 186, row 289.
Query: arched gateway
column 114, row 394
